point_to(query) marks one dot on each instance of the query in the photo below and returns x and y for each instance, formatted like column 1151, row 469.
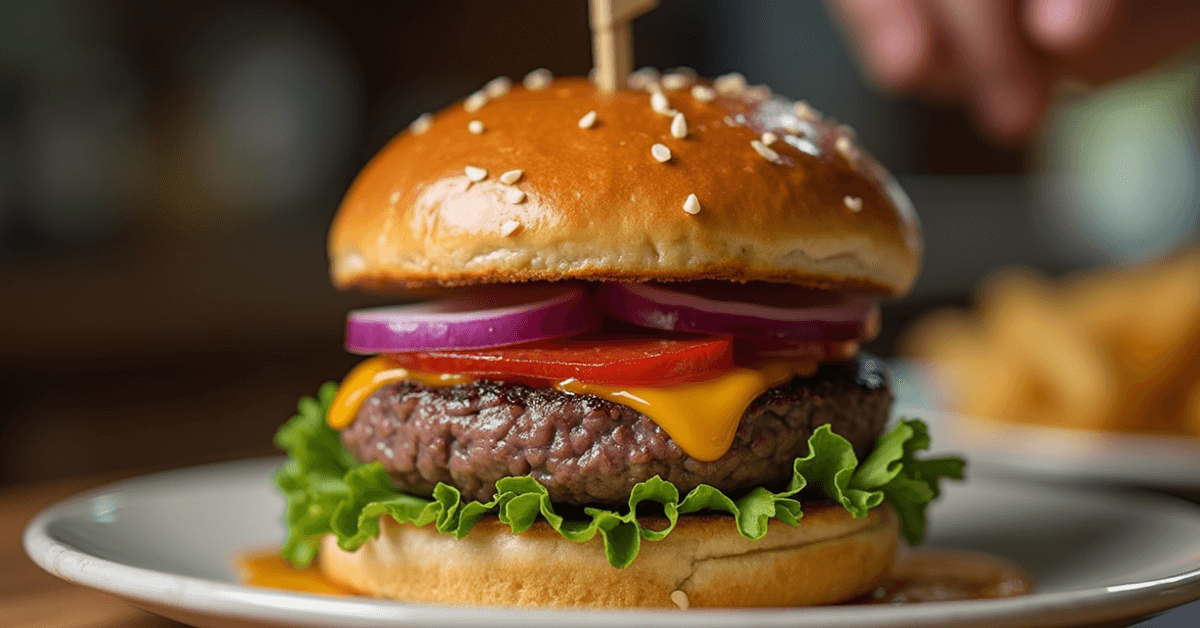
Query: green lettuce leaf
column 328, row 492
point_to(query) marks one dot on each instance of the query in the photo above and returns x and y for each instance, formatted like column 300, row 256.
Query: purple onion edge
column 564, row 318
column 634, row 308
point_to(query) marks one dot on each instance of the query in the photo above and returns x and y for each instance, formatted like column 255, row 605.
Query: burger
column 636, row 382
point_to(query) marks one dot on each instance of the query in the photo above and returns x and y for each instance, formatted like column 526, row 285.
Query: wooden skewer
column 612, row 39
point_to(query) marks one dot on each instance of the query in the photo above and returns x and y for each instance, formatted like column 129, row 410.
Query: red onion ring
column 831, row 317
column 476, row 318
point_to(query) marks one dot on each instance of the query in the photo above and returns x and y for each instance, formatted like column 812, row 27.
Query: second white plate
column 1047, row 452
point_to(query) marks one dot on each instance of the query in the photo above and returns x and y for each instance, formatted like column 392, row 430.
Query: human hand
column 1003, row 56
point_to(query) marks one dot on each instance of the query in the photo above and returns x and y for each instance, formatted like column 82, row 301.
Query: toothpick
column 612, row 39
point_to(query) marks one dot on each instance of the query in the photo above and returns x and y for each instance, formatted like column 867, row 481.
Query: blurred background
column 168, row 171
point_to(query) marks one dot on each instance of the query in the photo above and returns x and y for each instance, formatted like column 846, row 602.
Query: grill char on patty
column 587, row 450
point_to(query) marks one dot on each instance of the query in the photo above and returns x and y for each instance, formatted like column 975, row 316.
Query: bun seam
column 700, row 561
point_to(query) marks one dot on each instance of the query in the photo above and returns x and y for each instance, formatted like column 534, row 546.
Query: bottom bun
column 830, row 557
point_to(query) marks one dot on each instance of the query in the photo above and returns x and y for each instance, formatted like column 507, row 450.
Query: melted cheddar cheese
column 701, row 417
column 371, row 375
column 265, row 568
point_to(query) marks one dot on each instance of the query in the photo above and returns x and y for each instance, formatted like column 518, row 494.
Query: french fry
column 974, row 381
column 1157, row 353
column 1109, row 349
column 1168, row 313
column 1067, row 370
column 1101, row 303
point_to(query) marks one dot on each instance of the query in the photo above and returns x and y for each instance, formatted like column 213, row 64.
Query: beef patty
column 587, row 450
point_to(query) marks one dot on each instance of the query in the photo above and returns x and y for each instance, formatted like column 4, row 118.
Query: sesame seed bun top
column 668, row 184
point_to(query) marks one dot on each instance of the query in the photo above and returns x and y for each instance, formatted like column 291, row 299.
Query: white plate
column 164, row 543
column 1036, row 451
column 1045, row 452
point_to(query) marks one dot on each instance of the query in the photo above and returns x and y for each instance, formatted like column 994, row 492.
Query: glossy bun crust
column 830, row 557
column 598, row 206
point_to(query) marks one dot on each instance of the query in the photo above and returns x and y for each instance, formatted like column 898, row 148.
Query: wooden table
column 32, row 598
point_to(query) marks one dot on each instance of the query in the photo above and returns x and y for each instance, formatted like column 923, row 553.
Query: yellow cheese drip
column 371, row 375
column 266, row 568
column 701, row 417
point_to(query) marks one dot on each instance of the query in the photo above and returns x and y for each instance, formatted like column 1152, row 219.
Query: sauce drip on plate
column 944, row 575
column 919, row 575
column 265, row 568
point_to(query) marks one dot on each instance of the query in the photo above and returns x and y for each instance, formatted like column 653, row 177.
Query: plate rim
column 224, row 599
column 1012, row 457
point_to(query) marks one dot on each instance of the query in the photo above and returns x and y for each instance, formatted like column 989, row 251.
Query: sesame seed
column 804, row 145
column 845, row 146
column 588, row 120
column 730, row 121
column 394, row 198
column 509, row 228
column 660, row 104
column 643, row 77
column 757, row 93
column 804, row 111
column 538, row 80
column 769, row 138
column 794, row 126
column 678, row 127
column 675, row 81
column 475, row 102
column 421, row 124
column 729, row 83
column 475, row 126
column 352, row 263
column 767, row 152
column 514, row 196
column 510, row 177
column 497, row 87
column 853, row 203
column 703, row 93
column 847, row 130
column 475, row 173
column 680, row 599
column 660, row 153
column 692, row 205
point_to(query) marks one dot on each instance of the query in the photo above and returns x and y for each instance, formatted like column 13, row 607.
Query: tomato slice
column 750, row 351
column 630, row 360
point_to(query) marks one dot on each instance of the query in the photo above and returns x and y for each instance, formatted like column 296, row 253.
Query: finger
column 892, row 37
column 944, row 79
column 1140, row 35
column 1068, row 26
column 1008, row 91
